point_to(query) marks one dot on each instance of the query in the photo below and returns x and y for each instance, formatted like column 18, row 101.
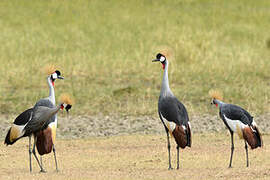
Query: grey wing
column 38, row 120
column 183, row 112
column 47, row 103
column 174, row 111
column 234, row 112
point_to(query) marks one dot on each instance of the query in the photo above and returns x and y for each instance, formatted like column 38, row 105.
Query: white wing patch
column 184, row 127
column 234, row 124
column 53, row 123
column 189, row 125
column 170, row 125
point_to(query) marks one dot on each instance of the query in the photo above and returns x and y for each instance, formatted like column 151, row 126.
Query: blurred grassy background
column 104, row 50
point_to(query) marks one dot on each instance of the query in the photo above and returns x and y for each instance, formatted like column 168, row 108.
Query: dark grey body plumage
column 239, row 120
column 171, row 110
column 34, row 120
column 47, row 103
column 41, row 115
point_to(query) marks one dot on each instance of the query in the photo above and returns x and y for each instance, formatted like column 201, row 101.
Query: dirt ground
column 114, row 147
column 139, row 157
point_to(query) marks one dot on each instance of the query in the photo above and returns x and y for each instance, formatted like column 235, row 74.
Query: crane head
column 66, row 102
column 56, row 75
column 160, row 58
column 215, row 95
column 65, row 106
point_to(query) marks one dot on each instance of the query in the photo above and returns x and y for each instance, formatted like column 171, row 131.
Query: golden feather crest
column 166, row 51
column 215, row 94
column 65, row 98
column 49, row 69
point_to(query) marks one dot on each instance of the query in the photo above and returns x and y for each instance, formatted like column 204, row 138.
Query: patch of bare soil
column 89, row 126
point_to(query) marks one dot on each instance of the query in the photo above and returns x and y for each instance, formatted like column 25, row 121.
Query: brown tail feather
column 44, row 141
column 258, row 137
column 253, row 138
column 182, row 137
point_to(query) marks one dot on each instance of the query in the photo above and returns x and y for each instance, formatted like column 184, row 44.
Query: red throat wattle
column 163, row 66
column 53, row 83
column 62, row 107
column 216, row 105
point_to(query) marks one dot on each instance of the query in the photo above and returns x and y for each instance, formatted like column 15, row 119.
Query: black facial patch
column 52, row 79
column 68, row 107
column 58, row 73
column 159, row 55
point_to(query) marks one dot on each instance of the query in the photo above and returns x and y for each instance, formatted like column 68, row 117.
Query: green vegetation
column 104, row 49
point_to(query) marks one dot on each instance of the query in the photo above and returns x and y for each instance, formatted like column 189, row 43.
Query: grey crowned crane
column 40, row 116
column 172, row 113
column 239, row 121
column 46, row 137
column 24, row 117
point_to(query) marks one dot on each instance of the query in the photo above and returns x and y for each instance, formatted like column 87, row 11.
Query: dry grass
column 104, row 49
column 139, row 157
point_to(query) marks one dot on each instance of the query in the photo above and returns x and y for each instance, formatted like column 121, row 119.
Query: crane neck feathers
column 165, row 88
column 219, row 103
column 51, row 88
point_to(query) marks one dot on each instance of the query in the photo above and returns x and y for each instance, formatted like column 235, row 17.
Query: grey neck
column 51, row 88
column 165, row 88
column 220, row 103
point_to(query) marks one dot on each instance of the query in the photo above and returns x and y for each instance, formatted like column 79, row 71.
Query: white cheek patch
column 170, row 125
column 54, row 76
column 234, row 124
column 162, row 58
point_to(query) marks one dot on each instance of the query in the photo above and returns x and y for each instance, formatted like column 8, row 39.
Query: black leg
column 232, row 149
column 34, row 152
column 246, row 147
column 40, row 159
column 177, row 156
column 30, row 151
column 169, row 150
column 55, row 158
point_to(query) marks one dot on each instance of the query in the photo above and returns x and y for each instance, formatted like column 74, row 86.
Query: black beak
column 60, row 77
column 155, row 60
